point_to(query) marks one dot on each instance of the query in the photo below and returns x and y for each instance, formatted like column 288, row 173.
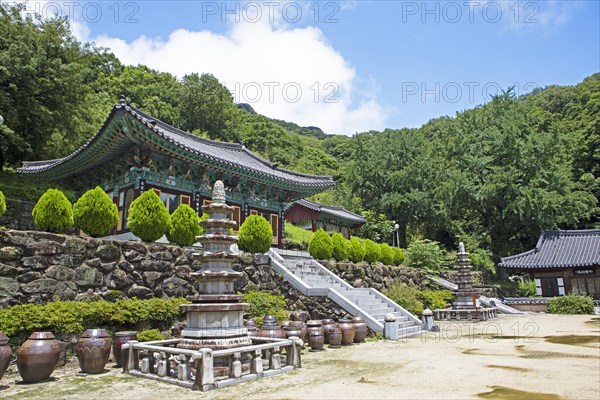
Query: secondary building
column 313, row 216
column 562, row 262
column 134, row 152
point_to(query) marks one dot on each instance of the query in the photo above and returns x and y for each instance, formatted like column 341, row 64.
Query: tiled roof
column 559, row 249
column 225, row 154
column 339, row 212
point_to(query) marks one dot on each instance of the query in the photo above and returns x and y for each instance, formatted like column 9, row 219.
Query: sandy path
column 512, row 357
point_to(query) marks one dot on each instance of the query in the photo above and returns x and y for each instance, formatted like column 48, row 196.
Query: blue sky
column 354, row 65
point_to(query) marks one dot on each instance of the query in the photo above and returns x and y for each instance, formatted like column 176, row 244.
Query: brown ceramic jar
column 293, row 330
column 38, row 356
column 348, row 331
column 334, row 337
column 93, row 350
column 302, row 326
column 360, row 329
column 120, row 339
column 328, row 325
column 5, row 354
column 316, row 340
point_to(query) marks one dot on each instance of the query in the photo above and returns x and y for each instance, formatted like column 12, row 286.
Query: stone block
column 108, row 252
column 48, row 248
column 151, row 278
column 10, row 253
column 29, row 276
column 175, row 286
column 135, row 246
column 9, row 287
column 141, row 292
column 119, row 280
column 44, row 285
column 7, row 270
column 75, row 245
column 85, row 276
column 59, row 273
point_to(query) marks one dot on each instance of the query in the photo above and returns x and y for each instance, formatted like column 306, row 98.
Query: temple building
column 562, row 262
column 134, row 152
column 312, row 216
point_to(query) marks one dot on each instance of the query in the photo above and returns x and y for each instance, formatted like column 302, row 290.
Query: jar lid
column 314, row 322
column 3, row 339
column 42, row 336
column 126, row 333
column 95, row 333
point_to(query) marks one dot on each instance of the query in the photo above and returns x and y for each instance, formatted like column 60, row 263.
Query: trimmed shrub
column 2, row 204
column 386, row 254
column 435, row 299
column 398, row 256
column 526, row 289
column 95, row 213
column 372, row 251
column 341, row 247
column 357, row 250
column 149, row 335
column 405, row 296
column 148, row 218
column 265, row 303
column 255, row 235
column 53, row 212
column 184, row 226
column 571, row 304
column 204, row 217
column 321, row 245
column 425, row 254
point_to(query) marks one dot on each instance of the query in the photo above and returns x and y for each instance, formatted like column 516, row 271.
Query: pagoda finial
column 461, row 247
column 218, row 194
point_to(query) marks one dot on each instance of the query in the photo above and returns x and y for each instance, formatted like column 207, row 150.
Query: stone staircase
column 313, row 279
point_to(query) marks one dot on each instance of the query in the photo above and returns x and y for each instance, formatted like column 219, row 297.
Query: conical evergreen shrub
column 95, row 213
column 148, row 217
column 372, row 252
column 53, row 212
column 184, row 226
column 321, row 245
column 341, row 247
column 255, row 235
column 357, row 250
column 386, row 254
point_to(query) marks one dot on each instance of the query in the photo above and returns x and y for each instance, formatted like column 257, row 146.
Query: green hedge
column 255, row 235
column 95, row 213
column 53, row 212
column 571, row 304
column 148, row 217
column 398, row 256
column 2, row 204
column 184, row 226
column 386, row 254
column 321, row 245
column 73, row 317
column 372, row 251
column 357, row 250
column 265, row 303
column 341, row 247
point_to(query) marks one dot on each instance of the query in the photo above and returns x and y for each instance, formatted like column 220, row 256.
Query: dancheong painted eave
column 559, row 249
column 127, row 126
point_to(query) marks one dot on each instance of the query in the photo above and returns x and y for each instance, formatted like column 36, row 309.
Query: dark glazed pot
column 302, row 326
column 316, row 340
column 5, row 354
column 348, row 331
column 120, row 339
column 328, row 325
column 334, row 337
column 93, row 350
column 360, row 329
column 38, row 356
column 270, row 320
column 291, row 330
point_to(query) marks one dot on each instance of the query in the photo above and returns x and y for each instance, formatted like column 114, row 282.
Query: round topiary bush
column 321, row 245
column 357, row 250
column 255, row 235
column 95, row 213
column 398, row 256
column 184, row 226
column 53, row 212
column 148, row 217
column 386, row 254
column 2, row 204
column 341, row 247
column 372, row 251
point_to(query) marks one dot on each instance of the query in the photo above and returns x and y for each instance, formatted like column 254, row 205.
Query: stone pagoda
column 215, row 318
column 465, row 296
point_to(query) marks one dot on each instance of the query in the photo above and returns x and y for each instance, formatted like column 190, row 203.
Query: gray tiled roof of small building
column 228, row 153
column 559, row 249
column 333, row 210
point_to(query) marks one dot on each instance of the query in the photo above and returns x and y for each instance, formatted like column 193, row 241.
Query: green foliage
column 321, row 245
column 434, row 299
column 296, row 234
column 95, row 213
column 357, row 250
column 18, row 187
column 149, row 335
column 72, row 317
column 426, row 255
column 372, row 251
column 184, row 226
column 398, row 256
column 148, row 218
column 526, row 289
column 255, row 235
column 378, row 227
column 265, row 303
column 571, row 304
column 405, row 296
column 53, row 212
column 341, row 247
column 2, row 204
column 386, row 254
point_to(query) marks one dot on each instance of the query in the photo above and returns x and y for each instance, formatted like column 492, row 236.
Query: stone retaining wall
column 18, row 214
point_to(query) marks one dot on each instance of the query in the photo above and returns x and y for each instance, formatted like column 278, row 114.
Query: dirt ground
column 511, row 357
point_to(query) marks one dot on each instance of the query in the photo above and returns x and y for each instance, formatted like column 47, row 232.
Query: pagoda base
column 214, row 343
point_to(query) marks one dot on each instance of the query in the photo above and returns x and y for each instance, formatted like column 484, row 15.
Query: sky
column 350, row 66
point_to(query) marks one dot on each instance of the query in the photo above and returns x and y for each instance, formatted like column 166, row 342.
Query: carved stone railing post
column 133, row 359
column 235, row 370
column 293, row 352
column 257, row 366
column 205, row 377
column 275, row 358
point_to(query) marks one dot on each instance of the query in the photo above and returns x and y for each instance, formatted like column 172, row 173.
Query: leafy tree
column 53, row 212
column 398, row 255
column 148, row 218
column 386, row 254
column 372, row 251
column 321, row 245
column 184, row 226
column 357, row 250
column 2, row 204
column 425, row 254
column 255, row 235
column 95, row 213
column 341, row 247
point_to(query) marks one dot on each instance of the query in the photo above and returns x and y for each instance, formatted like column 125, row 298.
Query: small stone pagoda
column 465, row 297
column 215, row 317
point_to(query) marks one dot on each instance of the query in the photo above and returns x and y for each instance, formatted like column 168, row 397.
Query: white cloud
column 282, row 71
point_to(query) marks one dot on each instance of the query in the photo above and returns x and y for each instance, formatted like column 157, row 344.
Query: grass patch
column 15, row 186
column 296, row 234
